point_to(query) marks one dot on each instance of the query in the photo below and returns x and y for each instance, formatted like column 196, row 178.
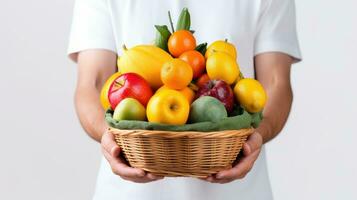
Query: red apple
column 220, row 90
column 129, row 85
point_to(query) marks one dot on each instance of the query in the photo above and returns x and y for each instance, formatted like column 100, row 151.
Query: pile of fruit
column 177, row 82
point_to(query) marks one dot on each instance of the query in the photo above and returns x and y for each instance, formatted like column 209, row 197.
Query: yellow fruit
column 187, row 92
column 221, row 46
column 222, row 66
column 145, row 60
column 104, row 100
column 250, row 94
column 176, row 74
column 168, row 107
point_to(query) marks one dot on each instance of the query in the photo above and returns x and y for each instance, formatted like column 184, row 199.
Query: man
column 265, row 35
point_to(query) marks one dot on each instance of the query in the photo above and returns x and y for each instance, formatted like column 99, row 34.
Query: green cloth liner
column 241, row 119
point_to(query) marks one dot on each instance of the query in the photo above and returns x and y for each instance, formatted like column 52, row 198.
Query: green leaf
column 184, row 21
column 162, row 36
column 202, row 48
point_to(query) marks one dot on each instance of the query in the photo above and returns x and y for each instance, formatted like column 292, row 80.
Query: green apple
column 207, row 109
column 129, row 109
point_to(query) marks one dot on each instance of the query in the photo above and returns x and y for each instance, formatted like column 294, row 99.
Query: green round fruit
column 207, row 109
column 129, row 109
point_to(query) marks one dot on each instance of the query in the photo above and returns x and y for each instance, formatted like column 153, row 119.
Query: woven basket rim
column 188, row 134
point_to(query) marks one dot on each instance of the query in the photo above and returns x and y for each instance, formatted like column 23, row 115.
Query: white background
column 44, row 154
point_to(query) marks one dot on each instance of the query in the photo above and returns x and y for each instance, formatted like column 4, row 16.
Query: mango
column 145, row 60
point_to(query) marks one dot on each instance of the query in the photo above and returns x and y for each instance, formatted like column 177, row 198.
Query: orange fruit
column 187, row 92
column 104, row 99
column 168, row 107
column 180, row 42
column 196, row 60
column 176, row 74
column 202, row 80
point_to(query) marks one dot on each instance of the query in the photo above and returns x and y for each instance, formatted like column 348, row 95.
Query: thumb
column 253, row 143
column 115, row 151
column 109, row 144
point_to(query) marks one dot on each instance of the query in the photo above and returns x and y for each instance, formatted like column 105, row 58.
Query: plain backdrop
column 44, row 154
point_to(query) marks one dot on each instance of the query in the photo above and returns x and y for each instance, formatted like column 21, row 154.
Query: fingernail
column 113, row 150
column 218, row 176
column 248, row 148
column 152, row 176
column 155, row 177
column 141, row 174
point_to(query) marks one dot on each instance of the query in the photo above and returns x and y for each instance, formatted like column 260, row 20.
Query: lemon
column 250, row 94
column 221, row 46
column 221, row 66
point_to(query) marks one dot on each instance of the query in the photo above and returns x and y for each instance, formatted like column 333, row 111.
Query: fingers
column 213, row 179
column 129, row 173
column 109, row 145
column 241, row 169
column 147, row 178
column 251, row 150
column 237, row 172
column 253, row 143
column 111, row 152
column 120, row 168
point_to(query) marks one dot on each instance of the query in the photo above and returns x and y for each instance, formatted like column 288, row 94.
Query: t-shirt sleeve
column 91, row 27
column 276, row 29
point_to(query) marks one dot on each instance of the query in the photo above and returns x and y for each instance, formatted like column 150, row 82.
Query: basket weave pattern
column 193, row 154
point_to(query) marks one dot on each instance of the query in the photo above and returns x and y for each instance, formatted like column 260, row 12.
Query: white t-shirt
column 253, row 26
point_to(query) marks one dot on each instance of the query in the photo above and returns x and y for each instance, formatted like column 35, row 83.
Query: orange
column 196, row 60
column 104, row 100
column 250, row 94
column 168, row 107
column 176, row 74
column 221, row 66
column 202, row 80
column 187, row 92
column 180, row 42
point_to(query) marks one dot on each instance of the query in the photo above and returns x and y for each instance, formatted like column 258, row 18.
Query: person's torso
column 133, row 23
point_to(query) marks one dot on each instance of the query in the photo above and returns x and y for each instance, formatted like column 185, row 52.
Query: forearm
column 94, row 67
column 273, row 71
column 276, row 111
column 90, row 112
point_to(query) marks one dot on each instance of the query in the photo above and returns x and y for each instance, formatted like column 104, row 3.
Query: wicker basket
column 193, row 154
